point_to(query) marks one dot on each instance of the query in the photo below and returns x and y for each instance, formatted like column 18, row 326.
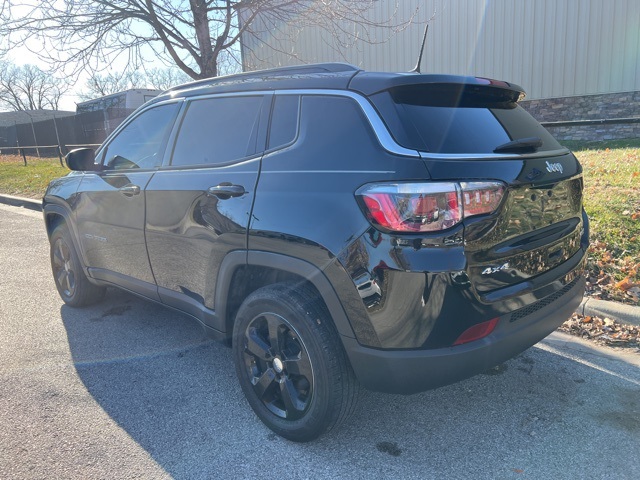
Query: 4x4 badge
column 554, row 167
column 490, row 270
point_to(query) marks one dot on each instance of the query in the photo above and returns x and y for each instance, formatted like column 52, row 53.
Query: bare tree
column 29, row 88
column 100, row 85
column 165, row 78
column 201, row 37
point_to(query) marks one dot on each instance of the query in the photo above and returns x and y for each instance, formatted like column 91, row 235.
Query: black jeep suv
column 336, row 227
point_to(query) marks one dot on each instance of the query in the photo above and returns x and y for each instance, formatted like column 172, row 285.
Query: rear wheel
column 290, row 363
column 72, row 284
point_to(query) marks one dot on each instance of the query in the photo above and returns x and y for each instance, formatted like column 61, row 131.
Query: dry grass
column 31, row 180
column 612, row 201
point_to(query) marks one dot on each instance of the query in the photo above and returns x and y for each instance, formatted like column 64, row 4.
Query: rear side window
column 449, row 119
column 217, row 131
column 284, row 121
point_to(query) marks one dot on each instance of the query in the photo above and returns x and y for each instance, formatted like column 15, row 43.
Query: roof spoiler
column 372, row 83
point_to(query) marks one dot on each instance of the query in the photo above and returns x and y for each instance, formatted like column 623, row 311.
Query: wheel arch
column 242, row 273
column 54, row 215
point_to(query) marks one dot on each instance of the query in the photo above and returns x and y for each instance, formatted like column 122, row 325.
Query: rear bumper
column 412, row 371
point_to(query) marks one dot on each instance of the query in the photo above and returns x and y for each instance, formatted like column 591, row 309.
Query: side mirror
column 81, row 159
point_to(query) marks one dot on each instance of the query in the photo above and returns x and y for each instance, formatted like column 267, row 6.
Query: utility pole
column 20, row 150
column 33, row 129
column 58, row 139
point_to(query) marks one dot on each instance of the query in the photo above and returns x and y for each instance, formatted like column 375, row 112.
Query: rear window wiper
column 520, row 145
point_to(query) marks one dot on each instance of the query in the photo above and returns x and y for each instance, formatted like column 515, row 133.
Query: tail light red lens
column 479, row 198
column 428, row 207
column 477, row 332
column 413, row 207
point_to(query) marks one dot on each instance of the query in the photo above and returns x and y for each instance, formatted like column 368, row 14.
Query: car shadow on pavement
column 175, row 393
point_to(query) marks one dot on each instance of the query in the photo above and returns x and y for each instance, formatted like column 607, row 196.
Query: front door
column 110, row 205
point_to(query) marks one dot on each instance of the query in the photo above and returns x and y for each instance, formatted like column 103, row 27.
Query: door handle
column 129, row 190
column 226, row 190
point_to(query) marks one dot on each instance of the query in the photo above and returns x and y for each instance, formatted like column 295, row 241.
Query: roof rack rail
column 334, row 67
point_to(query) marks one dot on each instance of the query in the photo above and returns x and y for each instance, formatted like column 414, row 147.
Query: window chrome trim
column 182, row 115
column 295, row 138
column 391, row 146
column 493, row 156
column 380, row 129
column 132, row 116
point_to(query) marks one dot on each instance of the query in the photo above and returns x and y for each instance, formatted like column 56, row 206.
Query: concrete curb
column 29, row 203
column 590, row 306
column 615, row 311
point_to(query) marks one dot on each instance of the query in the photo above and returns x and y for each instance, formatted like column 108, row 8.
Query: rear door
column 199, row 203
column 110, row 204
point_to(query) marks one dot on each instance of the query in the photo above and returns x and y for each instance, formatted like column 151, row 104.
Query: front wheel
column 291, row 364
column 72, row 284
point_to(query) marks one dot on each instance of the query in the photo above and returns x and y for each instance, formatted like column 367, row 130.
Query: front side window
column 140, row 144
column 219, row 130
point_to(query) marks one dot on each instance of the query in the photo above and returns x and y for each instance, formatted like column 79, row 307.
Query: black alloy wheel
column 290, row 362
column 278, row 366
column 62, row 266
column 72, row 284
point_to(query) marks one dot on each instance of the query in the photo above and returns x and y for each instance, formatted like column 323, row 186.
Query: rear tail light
column 477, row 332
column 428, row 207
column 479, row 198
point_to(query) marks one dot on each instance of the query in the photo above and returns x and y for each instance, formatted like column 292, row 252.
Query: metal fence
column 56, row 136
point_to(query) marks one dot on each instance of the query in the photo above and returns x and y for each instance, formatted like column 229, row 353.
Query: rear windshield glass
column 448, row 119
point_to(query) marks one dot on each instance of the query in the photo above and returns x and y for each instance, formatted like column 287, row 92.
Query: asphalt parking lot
column 128, row 389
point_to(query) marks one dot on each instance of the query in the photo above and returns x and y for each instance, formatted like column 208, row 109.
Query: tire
column 72, row 284
column 290, row 363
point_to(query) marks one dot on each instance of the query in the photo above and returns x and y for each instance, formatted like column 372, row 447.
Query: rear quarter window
column 284, row 121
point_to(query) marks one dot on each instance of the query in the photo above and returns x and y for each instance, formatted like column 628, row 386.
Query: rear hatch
column 474, row 131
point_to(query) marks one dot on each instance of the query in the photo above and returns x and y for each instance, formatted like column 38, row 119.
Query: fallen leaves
column 603, row 330
column 626, row 284
column 603, row 265
column 634, row 216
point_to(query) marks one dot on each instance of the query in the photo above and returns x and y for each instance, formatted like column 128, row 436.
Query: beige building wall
column 552, row 48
